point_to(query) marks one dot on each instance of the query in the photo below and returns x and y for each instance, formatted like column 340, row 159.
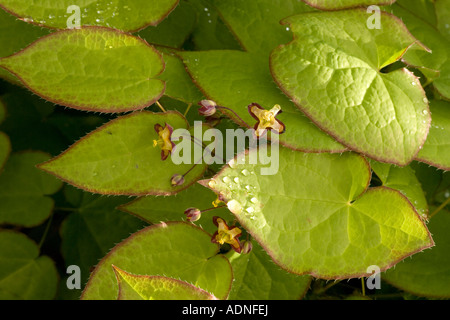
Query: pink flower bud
column 208, row 108
column 177, row 180
column 193, row 214
column 247, row 247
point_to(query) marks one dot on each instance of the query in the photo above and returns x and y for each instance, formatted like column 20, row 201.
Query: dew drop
column 226, row 179
column 425, row 112
column 236, row 179
column 51, row 16
column 245, row 172
column 413, row 83
column 247, row 187
column 254, row 200
column 234, row 206
column 232, row 164
column 425, row 100
column 250, row 210
column 212, row 183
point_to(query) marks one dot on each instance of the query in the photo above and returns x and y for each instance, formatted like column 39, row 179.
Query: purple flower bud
column 208, row 108
column 193, row 214
column 177, row 180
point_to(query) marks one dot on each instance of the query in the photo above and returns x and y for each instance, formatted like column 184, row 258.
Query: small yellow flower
column 266, row 119
column 164, row 140
column 226, row 235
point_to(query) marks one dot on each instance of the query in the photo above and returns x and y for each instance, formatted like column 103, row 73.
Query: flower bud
column 247, row 247
column 193, row 214
column 177, row 180
column 208, row 108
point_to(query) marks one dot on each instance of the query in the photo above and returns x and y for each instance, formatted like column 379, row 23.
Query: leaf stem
column 363, row 286
column 187, row 109
column 47, row 228
column 328, row 286
column 160, row 106
column 240, row 119
column 442, row 206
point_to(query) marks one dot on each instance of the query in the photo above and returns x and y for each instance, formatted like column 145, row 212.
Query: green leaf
column 174, row 30
column 428, row 273
column 179, row 84
column 235, row 79
column 343, row 4
column 24, row 190
column 443, row 17
column 425, row 30
column 210, row 32
column 162, row 209
column 24, row 275
column 93, row 68
column 436, row 150
column 256, row 277
column 316, row 216
column 5, row 144
column 332, row 72
column 85, row 240
column 15, row 35
column 247, row 19
column 176, row 250
column 5, row 149
column 134, row 15
column 27, row 123
column 2, row 111
column 141, row 287
column 212, row 71
column 404, row 180
column 120, row 158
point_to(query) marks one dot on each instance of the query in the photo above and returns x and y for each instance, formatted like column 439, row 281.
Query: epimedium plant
column 361, row 114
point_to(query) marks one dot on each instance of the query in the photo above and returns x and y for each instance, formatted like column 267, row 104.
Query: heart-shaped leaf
column 420, row 18
column 316, row 216
column 176, row 250
column 24, row 275
column 120, row 158
column 92, row 68
column 427, row 273
column 141, row 287
column 24, row 190
column 436, row 150
column 256, row 277
column 129, row 16
column 343, row 4
column 331, row 70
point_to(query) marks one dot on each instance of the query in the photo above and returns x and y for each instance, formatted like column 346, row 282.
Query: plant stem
column 187, row 109
column 363, row 286
column 47, row 228
column 160, row 106
column 442, row 206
